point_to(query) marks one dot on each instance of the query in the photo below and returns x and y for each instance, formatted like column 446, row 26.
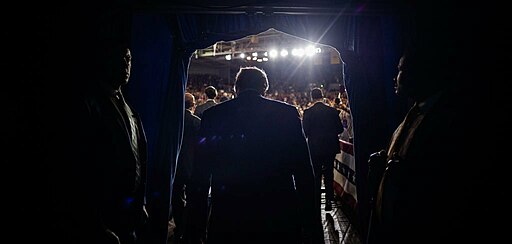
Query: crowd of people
column 288, row 92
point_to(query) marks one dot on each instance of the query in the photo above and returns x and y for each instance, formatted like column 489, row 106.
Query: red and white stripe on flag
column 344, row 174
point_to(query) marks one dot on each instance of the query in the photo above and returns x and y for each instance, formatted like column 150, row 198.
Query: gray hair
column 251, row 78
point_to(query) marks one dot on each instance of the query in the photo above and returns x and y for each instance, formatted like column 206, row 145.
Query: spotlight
column 310, row 50
column 273, row 53
column 228, row 57
column 284, row 53
column 298, row 52
column 242, row 55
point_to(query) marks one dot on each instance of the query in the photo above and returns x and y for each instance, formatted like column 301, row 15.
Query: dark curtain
column 158, row 84
column 369, row 47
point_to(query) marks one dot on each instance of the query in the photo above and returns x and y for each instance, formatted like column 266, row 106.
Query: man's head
column 190, row 101
column 210, row 92
column 115, row 65
column 421, row 72
column 337, row 101
column 403, row 83
column 316, row 94
column 125, row 65
column 438, row 51
column 251, row 78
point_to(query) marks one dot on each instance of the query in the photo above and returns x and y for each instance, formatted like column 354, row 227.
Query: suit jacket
column 99, row 187
column 254, row 151
column 188, row 146
column 202, row 107
column 322, row 125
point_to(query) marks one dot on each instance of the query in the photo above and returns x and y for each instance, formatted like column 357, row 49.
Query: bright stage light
column 265, row 59
column 273, row 53
column 242, row 55
column 255, row 54
column 284, row 53
column 248, row 58
column 310, row 50
column 228, row 57
column 298, row 52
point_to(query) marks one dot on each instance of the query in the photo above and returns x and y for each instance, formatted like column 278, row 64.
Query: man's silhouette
column 322, row 126
column 254, row 156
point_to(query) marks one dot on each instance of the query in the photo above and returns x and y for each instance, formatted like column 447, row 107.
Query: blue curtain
column 162, row 45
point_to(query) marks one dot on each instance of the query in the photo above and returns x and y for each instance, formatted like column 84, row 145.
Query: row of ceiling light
column 274, row 53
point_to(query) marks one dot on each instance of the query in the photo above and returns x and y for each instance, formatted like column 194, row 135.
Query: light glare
column 273, row 53
column 310, row 50
column 298, row 52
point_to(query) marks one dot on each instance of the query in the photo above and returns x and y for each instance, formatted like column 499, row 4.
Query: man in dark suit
column 322, row 126
column 432, row 177
column 184, row 167
column 254, row 156
column 211, row 94
column 100, row 192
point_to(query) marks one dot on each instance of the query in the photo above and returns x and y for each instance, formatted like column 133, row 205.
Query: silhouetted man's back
column 210, row 93
column 262, row 183
column 322, row 125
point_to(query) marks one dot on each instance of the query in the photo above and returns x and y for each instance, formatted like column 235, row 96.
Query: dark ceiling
column 265, row 7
